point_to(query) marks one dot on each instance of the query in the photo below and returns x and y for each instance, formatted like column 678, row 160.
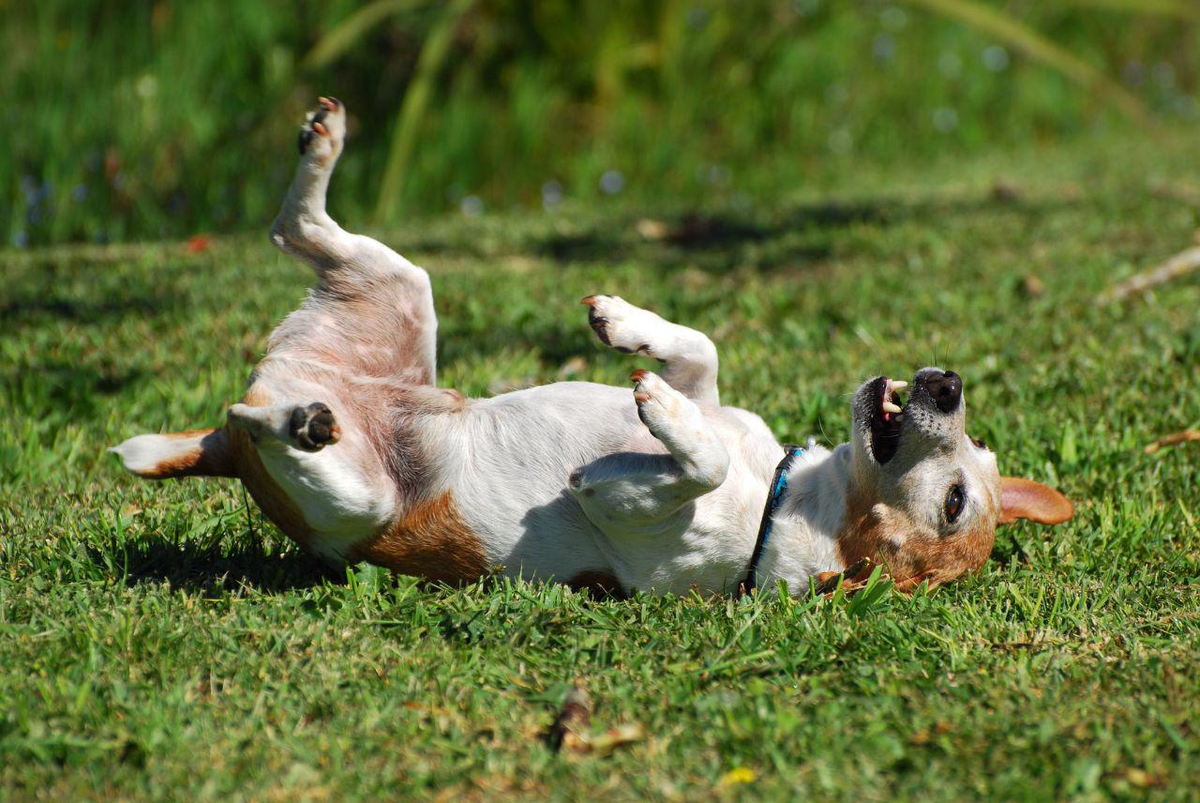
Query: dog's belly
column 511, row 486
column 511, row 479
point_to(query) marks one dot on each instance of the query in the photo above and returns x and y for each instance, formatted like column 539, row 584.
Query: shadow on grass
column 214, row 568
column 715, row 241
column 787, row 236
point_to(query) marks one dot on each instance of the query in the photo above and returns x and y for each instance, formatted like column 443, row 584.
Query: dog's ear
column 199, row 453
column 1026, row 499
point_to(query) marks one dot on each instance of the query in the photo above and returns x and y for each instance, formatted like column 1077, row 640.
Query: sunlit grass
column 163, row 641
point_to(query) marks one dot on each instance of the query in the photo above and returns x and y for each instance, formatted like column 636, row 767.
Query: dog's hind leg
column 371, row 313
column 307, row 427
column 325, row 483
column 689, row 358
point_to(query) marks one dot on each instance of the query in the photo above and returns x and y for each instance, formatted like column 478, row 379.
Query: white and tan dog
column 348, row 445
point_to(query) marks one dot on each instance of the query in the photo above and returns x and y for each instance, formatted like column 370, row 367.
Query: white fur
column 142, row 454
column 341, row 503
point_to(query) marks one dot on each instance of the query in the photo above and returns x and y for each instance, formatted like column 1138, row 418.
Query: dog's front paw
column 619, row 324
column 659, row 405
column 324, row 131
column 313, row 427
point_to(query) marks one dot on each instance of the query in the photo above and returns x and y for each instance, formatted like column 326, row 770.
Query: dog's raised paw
column 620, row 324
column 658, row 404
column 313, row 427
column 324, row 130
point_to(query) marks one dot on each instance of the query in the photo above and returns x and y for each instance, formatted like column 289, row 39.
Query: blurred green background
column 143, row 120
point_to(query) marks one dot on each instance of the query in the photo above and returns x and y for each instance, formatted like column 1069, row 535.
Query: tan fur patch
column 209, row 458
column 431, row 540
column 599, row 583
column 274, row 503
column 907, row 552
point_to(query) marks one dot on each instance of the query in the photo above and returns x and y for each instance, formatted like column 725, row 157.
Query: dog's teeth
column 897, row 384
column 888, row 407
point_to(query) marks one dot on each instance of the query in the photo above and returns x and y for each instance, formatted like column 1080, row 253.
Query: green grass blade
column 348, row 32
column 1016, row 34
column 1182, row 9
column 412, row 110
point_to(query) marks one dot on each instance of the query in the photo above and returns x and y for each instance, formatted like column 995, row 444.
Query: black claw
column 599, row 325
column 306, row 136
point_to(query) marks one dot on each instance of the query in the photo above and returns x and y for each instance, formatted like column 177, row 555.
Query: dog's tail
column 197, row 453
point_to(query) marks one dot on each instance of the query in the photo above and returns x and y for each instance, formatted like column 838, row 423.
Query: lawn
column 163, row 641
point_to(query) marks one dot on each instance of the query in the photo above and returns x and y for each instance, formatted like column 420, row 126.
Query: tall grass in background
column 144, row 120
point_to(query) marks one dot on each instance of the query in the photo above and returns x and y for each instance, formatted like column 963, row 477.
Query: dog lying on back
column 348, row 445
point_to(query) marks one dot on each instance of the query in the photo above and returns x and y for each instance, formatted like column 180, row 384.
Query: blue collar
column 778, row 487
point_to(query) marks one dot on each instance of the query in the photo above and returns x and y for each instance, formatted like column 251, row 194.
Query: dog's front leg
column 645, row 488
column 688, row 357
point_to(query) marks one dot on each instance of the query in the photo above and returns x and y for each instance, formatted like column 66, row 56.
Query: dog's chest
column 706, row 545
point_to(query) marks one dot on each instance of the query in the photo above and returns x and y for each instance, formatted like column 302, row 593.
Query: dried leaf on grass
column 1174, row 439
column 653, row 230
column 1144, row 780
column 1032, row 286
column 571, row 730
column 605, row 742
column 570, row 726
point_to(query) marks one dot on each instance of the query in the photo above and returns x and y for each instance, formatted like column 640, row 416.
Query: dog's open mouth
column 887, row 418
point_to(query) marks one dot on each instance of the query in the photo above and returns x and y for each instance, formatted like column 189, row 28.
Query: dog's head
column 924, row 497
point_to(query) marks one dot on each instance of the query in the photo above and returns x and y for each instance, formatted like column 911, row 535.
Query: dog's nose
column 945, row 389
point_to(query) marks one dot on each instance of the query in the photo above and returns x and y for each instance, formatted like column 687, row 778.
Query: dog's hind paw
column 324, row 130
column 313, row 427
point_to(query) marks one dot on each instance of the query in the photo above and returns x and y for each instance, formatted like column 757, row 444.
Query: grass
column 164, row 642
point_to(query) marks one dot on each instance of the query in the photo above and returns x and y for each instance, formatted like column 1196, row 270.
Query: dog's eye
column 954, row 504
column 979, row 444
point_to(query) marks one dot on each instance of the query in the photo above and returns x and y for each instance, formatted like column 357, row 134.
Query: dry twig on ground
column 1174, row 439
column 1181, row 264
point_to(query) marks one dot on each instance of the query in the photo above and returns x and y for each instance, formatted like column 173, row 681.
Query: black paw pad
column 313, row 427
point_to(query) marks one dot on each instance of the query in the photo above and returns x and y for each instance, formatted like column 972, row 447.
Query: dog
column 348, row 445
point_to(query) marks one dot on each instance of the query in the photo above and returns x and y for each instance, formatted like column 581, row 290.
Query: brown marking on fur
column 384, row 414
column 599, row 583
column 909, row 553
column 211, row 457
column 431, row 540
column 456, row 399
column 274, row 503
